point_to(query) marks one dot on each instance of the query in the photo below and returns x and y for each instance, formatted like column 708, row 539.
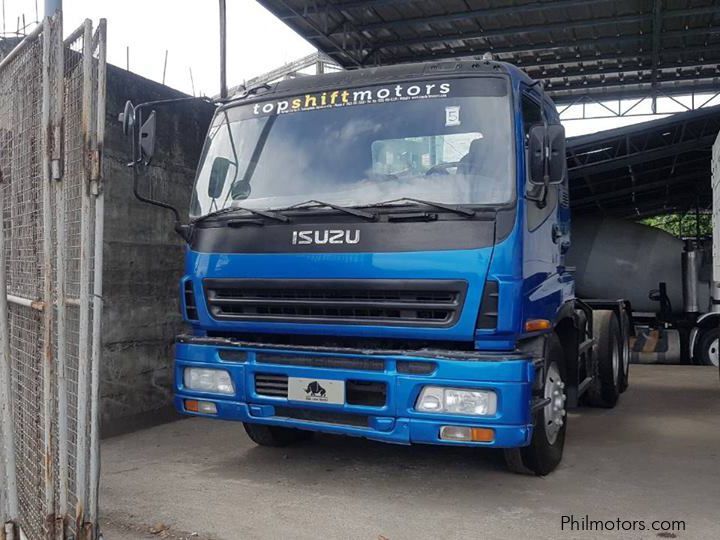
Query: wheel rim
column 555, row 408
column 626, row 358
column 714, row 352
column 616, row 362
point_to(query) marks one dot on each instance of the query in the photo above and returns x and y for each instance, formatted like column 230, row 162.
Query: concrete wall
column 143, row 255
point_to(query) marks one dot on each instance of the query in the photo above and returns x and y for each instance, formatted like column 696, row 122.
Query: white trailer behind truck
column 673, row 285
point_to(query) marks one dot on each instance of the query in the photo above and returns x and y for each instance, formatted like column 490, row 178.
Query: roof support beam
column 351, row 4
column 619, row 193
column 657, row 29
column 639, row 157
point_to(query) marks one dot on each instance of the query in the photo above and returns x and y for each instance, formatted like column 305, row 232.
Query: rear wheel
column 624, row 351
column 708, row 348
column 545, row 451
column 605, row 389
column 275, row 436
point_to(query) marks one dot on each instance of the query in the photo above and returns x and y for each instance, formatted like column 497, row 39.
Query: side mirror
column 147, row 137
column 536, row 154
column 127, row 117
column 218, row 175
column 557, row 160
column 546, row 148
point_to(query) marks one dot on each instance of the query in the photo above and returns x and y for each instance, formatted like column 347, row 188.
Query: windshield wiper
column 269, row 215
column 314, row 203
column 455, row 209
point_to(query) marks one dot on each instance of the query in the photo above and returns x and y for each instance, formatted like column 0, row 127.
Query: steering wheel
column 442, row 168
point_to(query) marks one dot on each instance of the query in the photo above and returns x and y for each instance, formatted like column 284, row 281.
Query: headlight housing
column 467, row 401
column 215, row 381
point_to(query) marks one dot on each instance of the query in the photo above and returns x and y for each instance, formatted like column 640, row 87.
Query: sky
column 188, row 30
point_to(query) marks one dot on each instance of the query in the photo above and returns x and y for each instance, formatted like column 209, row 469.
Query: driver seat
column 474, row 161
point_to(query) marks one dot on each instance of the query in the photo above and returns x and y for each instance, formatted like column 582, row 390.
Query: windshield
column 448, row 142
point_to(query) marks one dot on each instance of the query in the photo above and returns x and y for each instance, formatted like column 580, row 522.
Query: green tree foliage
column 682, row 225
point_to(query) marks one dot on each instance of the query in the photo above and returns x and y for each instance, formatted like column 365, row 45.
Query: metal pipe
column 223, row 51
column 37, row 304
column 93, row 507
column 85, row 239
column 48, row 364
column 691, row 258
column 62, row 301
column 7, row 442
column 27, row 40
column 74, row 35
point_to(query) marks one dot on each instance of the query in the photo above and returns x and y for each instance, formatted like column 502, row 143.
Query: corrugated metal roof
column 656, row 167
column 603, row 48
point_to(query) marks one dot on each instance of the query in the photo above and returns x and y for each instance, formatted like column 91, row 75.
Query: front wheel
column 707, row 351
column 545, row 451
column 275, row 436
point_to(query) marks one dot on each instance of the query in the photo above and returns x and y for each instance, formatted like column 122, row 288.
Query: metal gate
column 52, row 113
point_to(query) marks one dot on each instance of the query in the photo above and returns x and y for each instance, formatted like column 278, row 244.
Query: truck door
column 546, row 237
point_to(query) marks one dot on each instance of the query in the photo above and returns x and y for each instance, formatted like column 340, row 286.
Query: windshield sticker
column 452, row 116
column 345, row 98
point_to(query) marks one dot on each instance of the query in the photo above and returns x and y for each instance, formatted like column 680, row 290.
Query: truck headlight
column 215, row 381
column 437, row 399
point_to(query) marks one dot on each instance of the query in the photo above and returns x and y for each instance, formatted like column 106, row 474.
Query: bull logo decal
column 315, row 390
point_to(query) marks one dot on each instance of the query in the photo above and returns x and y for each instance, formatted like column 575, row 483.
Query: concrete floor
column 656, row 456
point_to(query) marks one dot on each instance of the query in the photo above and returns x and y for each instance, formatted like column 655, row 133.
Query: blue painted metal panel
column 530, row 286
column 468, row 265
column 396, row 421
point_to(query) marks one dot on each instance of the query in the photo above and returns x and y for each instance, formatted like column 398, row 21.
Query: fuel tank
column 615, row 258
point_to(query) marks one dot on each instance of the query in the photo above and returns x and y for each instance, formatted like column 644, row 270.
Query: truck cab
column 380, row 253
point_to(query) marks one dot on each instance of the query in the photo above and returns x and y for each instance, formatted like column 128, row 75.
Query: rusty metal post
column 7, row 439
column 223, row 50
column 85, row 239
column 48, row 367
column 60, row 268
column 98, row 192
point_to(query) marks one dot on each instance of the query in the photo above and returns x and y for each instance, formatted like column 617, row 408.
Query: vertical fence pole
column 6, row 404
column 60, row 267
column 98, row 191
column 47, row 250
column 85, row 239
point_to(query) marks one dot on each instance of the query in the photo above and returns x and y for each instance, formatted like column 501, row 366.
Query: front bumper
column 396, row 421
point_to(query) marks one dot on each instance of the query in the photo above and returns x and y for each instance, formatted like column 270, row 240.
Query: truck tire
column 625, row 351
column 545, row 451
column 707, row 350
column 263, row 435
column 605, row 389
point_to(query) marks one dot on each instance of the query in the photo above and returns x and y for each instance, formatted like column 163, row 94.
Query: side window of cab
column 532, row 114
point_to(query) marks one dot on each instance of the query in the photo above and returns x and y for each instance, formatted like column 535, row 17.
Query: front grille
column 272, row 385
column 372, row 301
column 190, row 308
column 369, row 393
column 488, row 316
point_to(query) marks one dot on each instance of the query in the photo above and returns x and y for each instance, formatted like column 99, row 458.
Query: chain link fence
column 51, row 126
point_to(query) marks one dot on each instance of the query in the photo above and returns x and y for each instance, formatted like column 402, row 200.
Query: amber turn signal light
column 533, row 325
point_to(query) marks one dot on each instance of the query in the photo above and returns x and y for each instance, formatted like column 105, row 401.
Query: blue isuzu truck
column 380, row 253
